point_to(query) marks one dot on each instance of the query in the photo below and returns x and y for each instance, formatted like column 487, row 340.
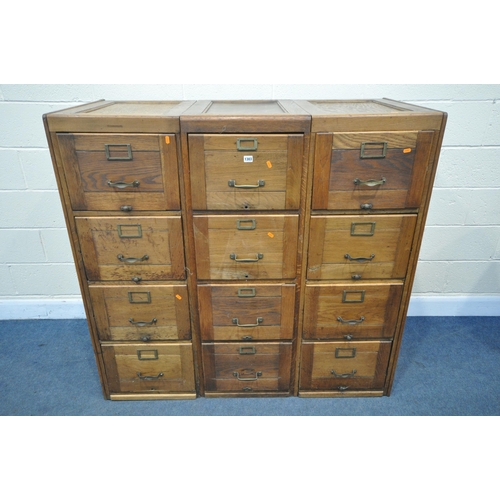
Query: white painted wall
column 459, row 267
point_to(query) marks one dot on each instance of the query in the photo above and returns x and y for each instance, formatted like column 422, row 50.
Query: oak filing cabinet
column 245, row 248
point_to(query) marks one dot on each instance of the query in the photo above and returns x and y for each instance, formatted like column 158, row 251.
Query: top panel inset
column 244, row 108
column 356, row 107
column 134, row 109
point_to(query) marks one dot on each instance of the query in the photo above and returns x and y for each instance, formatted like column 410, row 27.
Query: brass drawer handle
column 351, row 321
column 369, row 183
column 126, row 208
column 132, row 260
column 366, row 206
column 343, row 388
column 123, row 185
column 246, row 292
column 143, row 377
column 253, row 147
column 232, row 183
column 120, row 158
column 258, row 257
column 360, row 259
column 259, row 321
column 257, row 375
column 343, row 375
column 143, row 323
column 372, row 145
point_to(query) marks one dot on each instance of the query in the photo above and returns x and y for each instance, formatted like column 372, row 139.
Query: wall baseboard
column 41, row 309
column 459, row 305
column 456, row 305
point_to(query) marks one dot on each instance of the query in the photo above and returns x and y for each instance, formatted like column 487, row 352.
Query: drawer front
column 153, row 368
column 346, row 311
column 340, row 366
column 125, row 248
column 245, row 172
column 247, row 367
column 246, row 312
column 148, row 312
column 233, row 247
column 359, row 247
column 111, row 171
column 370, row 169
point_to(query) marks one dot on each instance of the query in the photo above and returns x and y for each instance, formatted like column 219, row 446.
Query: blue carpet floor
column 448, row 366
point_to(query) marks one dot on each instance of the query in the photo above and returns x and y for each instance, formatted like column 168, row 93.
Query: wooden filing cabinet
column 245, row 248
column 117, row 167
column 372, row 165
column 245, row 173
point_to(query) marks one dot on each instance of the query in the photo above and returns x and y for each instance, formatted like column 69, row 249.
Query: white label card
column 248, row 158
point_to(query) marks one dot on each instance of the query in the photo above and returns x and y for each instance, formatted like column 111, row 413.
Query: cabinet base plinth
column 144, row 397
column 336, row 394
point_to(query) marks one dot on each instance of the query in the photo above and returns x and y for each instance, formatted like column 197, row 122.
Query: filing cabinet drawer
column 360, row 247
column 247, row 367
column 336, row 311
column 133, row 368
column 250, row 311
column 341, row 366
column 121, row 171
column 245, row 172
column 148, row 312
column 233, row 247
column 125, row 248
column 370, row 169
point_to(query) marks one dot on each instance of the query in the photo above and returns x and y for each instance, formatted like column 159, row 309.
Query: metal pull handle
column 142, row 323
column 142, row 377
column 253, row 147
column 360, row 259
column 247, row 337
column 370, row 182
column 351, row 321
column 120, row 158
column 247, row 292
column 366, row 206
column 123, row 185
column 136, row 279
column 132, row 260
column 258, row 257
column 146, row 338
column 232, row 183
column 126, row 208
column 259, row 321
column 343, row 388
column 343, row 375
column 257, row 375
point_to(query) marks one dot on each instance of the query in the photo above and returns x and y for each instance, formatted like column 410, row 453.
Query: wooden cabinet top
column 370, row 114
column 119, row 116
column 226, row 116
